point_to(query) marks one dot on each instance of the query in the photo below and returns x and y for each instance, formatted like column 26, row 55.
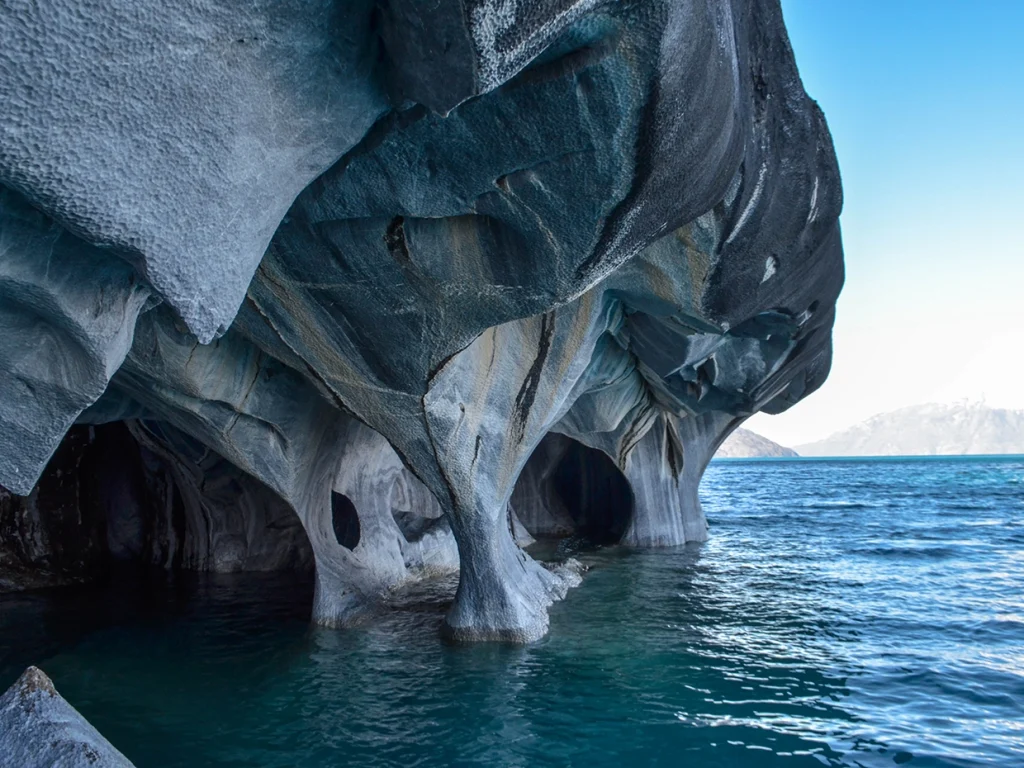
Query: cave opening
column 345, row 520
column 122, row 499
column 569, row 489
column 595, row 492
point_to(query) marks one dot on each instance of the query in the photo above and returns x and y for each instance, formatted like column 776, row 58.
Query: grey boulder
column 39, row 729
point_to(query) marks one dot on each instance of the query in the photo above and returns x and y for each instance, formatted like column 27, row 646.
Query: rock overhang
column 467, row 230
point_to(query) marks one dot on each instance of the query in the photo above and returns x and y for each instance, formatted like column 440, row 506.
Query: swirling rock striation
column 422, row 279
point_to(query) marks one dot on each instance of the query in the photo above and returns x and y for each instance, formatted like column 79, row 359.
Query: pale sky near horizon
column 925, row 101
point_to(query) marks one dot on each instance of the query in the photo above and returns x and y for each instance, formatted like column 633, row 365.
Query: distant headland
column 932, row 429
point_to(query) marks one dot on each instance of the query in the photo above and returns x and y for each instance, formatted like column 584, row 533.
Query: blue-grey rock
column 55, row 535
column 491, row 251
column 177, row 136
column 39, row 729
column 200, row 512
column 67, row 315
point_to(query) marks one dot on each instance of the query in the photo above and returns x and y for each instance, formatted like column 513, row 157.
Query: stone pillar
column 664, row 470
column 503, row 593
column 486, row 411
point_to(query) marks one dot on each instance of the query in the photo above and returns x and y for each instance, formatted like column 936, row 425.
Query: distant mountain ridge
column 933, row 429
column 744, row 444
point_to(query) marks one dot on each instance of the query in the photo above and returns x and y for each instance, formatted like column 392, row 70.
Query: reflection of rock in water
column 393, row 264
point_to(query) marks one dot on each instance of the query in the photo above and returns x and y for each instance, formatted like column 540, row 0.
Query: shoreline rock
column 388, row 256
column 39, row 729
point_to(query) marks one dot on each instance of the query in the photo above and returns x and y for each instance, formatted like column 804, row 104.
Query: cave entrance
column 595, row 493
column 570, row 489
column 121, row 498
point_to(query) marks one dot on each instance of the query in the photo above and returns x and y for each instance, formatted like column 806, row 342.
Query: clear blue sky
column 925, row 101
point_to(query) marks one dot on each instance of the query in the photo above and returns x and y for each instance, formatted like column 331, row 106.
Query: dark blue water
column 844, row 613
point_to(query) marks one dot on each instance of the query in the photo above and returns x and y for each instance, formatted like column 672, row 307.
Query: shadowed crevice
column 569, row 489
column 595, row 493
column 345, row 520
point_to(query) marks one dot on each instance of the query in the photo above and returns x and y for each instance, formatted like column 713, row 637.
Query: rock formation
column 39, row 729
column 362, row 267
column 744, row 444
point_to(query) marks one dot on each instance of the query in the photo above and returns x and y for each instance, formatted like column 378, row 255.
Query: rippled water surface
column 843, row 613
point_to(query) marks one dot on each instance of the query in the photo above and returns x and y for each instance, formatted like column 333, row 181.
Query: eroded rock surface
column 600, row 235
column 39, row 729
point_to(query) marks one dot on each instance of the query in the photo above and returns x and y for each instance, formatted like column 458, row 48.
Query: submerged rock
column 564, row 246
column 39, row 729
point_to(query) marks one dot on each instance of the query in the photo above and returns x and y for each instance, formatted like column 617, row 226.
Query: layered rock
column 595, row 234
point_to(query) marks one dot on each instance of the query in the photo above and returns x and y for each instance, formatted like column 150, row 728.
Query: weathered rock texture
column 39, row 729
column 375, row 257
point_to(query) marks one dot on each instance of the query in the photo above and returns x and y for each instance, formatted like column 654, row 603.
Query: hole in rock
column 569, row 489
column 345, row 520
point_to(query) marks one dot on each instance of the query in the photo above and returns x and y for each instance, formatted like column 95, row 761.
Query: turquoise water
column 853, row 613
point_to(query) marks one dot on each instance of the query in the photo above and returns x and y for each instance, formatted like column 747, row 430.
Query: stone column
column 664, row 470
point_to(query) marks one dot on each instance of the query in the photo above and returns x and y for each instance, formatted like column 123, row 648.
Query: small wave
column 931, row 553
column 840, row 504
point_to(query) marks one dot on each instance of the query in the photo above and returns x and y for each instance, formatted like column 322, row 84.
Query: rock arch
column 570, row 489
